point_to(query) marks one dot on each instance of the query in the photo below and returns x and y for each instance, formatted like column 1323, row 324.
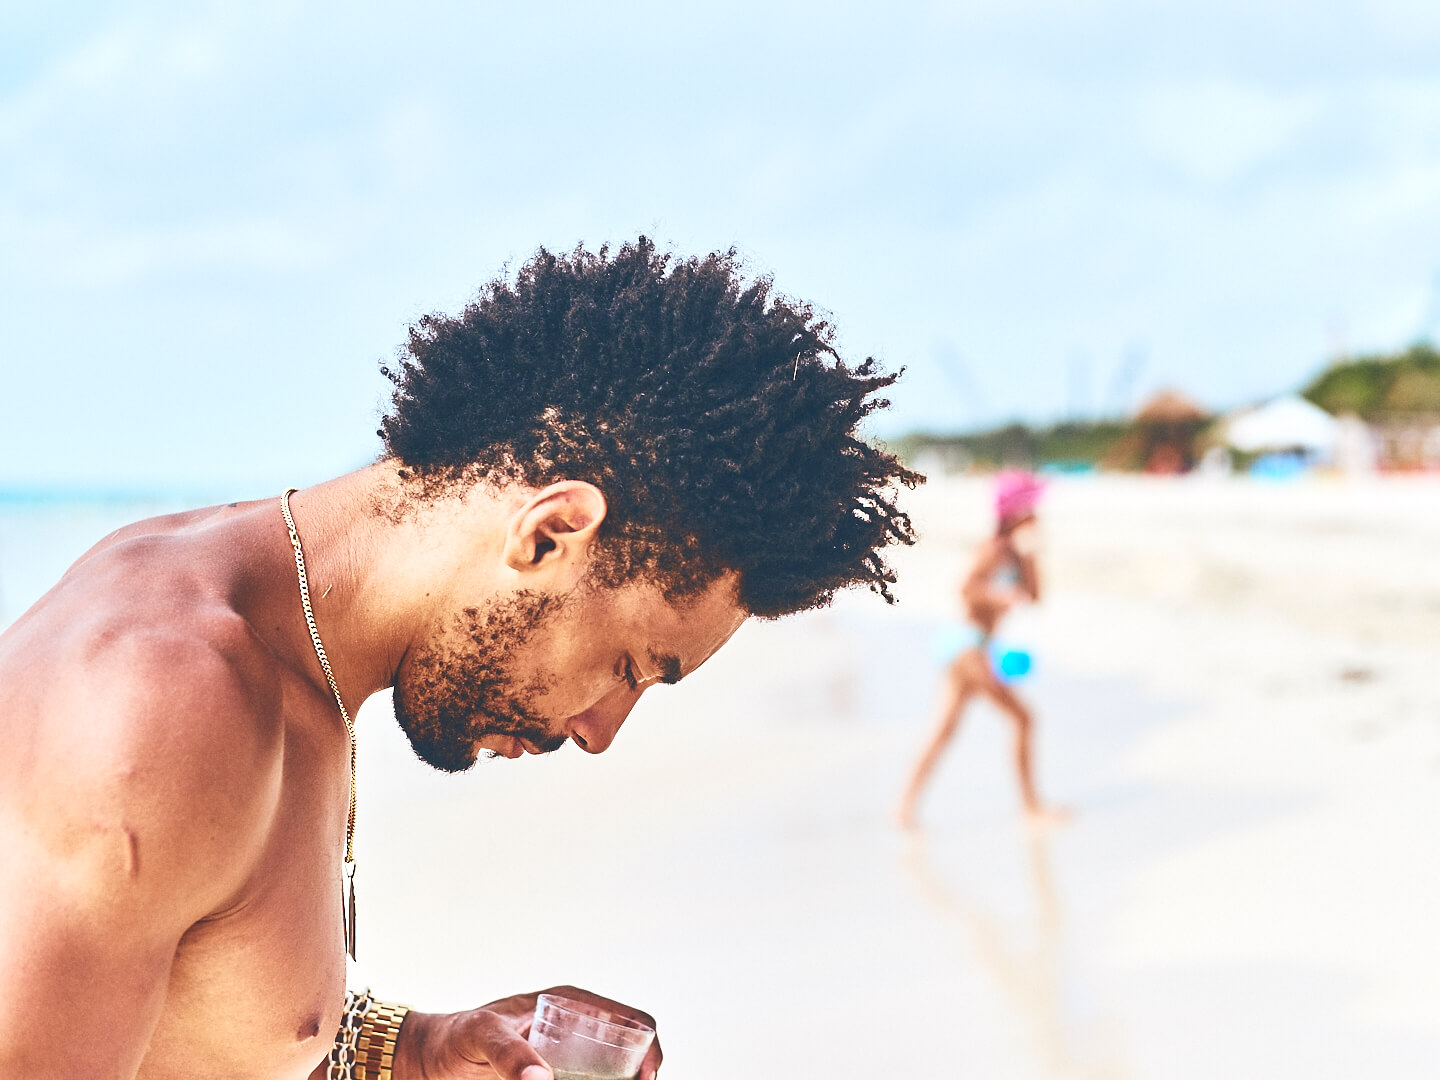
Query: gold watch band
column 379, row 1031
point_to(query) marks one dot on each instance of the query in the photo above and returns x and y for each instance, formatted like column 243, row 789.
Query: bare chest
column 257, row 990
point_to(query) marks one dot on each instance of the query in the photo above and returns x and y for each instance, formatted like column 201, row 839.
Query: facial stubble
column 461, row 688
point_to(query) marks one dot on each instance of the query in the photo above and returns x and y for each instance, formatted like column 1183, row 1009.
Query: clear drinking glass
column 580, row 1041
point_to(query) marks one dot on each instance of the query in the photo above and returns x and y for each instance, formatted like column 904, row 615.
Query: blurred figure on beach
column 1003, row 575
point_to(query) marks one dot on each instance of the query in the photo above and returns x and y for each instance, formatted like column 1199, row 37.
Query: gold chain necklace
column 347, row 909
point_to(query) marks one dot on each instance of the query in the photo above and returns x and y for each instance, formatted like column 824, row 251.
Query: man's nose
column 595, row 728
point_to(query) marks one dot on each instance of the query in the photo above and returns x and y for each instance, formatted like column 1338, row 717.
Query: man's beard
column 449, row 696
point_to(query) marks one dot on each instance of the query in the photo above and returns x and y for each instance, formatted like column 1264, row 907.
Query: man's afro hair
column 714, row 414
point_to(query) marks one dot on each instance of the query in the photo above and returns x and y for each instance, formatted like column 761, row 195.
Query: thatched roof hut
column 1164, row 436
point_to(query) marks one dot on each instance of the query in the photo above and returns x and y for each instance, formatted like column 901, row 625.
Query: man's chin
column 450, row 757
column 450, row 748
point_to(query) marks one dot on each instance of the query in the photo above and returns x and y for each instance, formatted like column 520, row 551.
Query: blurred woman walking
column 1003, row 575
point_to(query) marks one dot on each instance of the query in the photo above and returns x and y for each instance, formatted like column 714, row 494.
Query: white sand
column 1236, row 690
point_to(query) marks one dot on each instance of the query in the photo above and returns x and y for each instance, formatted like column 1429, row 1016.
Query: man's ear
column 558, row 522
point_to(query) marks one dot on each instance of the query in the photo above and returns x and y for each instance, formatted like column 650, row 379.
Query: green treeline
column 1381, row 386
column 1073, row 442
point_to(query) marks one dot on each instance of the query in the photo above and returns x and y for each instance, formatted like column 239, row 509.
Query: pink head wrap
column 1016, row 493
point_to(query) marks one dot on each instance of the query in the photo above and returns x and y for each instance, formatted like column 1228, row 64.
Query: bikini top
column 1005, row 576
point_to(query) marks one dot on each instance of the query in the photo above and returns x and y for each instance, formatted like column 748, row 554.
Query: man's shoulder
column 185, row 688
column 138, row 625
column 198, row 674
column 151, row 709
column 146, row 613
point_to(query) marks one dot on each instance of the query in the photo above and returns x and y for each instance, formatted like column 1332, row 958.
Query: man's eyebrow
column 669, row 666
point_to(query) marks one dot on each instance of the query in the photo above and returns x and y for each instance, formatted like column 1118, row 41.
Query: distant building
column 1284, row 425
column 1293, row 426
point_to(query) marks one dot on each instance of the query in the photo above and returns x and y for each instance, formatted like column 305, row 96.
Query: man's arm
column 124, row 820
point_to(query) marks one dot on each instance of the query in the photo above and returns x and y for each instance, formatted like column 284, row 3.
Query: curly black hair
column 715, row 416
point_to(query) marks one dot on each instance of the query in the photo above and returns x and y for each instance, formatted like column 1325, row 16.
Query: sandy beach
column 1235, row 686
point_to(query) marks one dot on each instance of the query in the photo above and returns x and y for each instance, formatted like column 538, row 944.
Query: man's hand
column 489, row 1042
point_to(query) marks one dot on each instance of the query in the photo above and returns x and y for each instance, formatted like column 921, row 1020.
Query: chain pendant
column 347, row 908
column 347, row 894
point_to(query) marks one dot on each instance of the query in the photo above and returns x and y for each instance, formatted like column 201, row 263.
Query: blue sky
column 216, row 220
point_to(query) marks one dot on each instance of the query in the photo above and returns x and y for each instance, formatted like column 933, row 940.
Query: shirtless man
column 591, row 478
column 1003, row 575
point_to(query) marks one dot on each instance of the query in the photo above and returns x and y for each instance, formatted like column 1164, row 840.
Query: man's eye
column 630, row 674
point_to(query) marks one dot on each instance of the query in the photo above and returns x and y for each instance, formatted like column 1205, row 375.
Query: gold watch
column 379, row 1032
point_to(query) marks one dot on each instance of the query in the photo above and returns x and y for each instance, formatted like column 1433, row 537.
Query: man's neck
column 379, row 568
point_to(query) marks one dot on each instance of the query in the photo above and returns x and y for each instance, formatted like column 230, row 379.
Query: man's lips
column 513, row 746
column 519, row 746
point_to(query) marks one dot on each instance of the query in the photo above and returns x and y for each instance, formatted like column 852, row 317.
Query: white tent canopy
column 1286, row 423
